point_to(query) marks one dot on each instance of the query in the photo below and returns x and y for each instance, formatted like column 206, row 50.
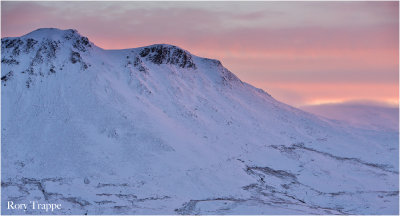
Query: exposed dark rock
column 76, row 200
column 126, row 196
column 214, row 62
column 38, row 59
column 82, row 44
column 9, row 43
column 75, row 57
column 104, row 194
column 52, row 70
column 28, row 82
column 14, row 44
column 46, row 52
column 100, row 185
column 152, row 198
column 9, row 61
column 30, row 44
column 163, row 54
column 103, row 202
column 139, row 65
column 7, row 77
column 71, row 33
column 228, row 77
column 269, row 171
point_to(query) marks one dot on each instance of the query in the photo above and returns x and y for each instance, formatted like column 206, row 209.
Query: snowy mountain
column 158, row 130
column 367, row 116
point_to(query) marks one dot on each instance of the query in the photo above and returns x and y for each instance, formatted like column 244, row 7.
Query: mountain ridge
column 52, row 39
column 55, row 34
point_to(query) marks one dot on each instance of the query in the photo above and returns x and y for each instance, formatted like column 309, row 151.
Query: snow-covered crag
column 157, row 130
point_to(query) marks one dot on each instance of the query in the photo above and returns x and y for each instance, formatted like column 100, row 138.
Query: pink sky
column 300, row 52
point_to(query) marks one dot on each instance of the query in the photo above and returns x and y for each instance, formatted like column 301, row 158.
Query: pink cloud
column 314, row 93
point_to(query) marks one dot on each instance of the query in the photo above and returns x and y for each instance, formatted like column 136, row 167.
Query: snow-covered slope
column 157, row 130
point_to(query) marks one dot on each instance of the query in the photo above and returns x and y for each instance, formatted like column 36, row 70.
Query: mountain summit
column 157, row 130
column 48, row 47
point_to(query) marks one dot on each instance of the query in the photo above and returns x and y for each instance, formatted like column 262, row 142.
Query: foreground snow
column 156, row 130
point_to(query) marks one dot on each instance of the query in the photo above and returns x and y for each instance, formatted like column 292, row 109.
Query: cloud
column 325, row 92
